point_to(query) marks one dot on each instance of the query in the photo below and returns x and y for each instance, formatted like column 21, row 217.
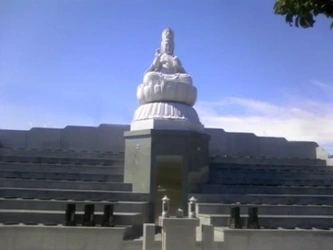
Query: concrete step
column 55, row 205
column 62, row 154
column 254, row 174
column 58, row 217
column 273, row 221
column 57, row 160
column 217, row 208
column 272, row 181
column 66, row 194
column 249, row 189
column 61, row 176
column 288, row 199
column 60, row 168
column 268, row 167
column 315, row 169
column 265, row 161
column 60, row 205
column 53, row 184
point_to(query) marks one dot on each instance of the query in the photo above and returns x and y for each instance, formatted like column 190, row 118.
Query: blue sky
column 78, row 62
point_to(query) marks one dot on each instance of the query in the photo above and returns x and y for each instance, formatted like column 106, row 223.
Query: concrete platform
column 276, row 181
column 78, row 154
column 58, row 168
column 273, row 221
column 250, row 189
column 269, row 167
column 96, row 195
column 61, row 176
column 58, row 217
column 63, row 184
column 57, row 160
column 22, row 237
column 60, row 205
column 273, row 175
column 288, row 199
column 216, row 208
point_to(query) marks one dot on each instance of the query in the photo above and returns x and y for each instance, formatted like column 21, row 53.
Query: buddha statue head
column 168, row 34
column 167, row 44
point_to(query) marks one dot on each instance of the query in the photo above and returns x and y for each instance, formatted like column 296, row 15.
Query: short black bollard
column 108, row 218
column 70, row 215
column 253, row 220
column 235, row 220
column 88, row 217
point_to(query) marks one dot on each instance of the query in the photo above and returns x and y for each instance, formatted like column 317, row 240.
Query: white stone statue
column 167, row 93
column 166, row 67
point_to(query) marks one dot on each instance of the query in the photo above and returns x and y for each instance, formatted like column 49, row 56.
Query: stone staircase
column 36, row 186
column 287, row 196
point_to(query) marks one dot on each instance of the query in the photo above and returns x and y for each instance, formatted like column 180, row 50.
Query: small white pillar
column 207, row 233
column 165, row 206
column 192, row 208
column 148, row 236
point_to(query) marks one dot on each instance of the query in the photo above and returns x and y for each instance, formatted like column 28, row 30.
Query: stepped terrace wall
column 111, row 138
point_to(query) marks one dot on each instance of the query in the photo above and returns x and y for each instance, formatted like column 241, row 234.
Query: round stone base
column 166, row 125
column 166, row 115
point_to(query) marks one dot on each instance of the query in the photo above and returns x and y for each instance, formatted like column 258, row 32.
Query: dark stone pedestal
column 142, row 148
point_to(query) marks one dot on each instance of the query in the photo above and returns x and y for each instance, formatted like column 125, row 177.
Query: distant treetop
column 302, row 13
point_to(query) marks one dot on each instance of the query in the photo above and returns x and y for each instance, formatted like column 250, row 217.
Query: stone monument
column 166, row 149
column 167, row 94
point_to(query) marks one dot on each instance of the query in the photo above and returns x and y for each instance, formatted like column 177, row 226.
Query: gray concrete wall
column 75, row 137
column 109, row 137
column 298, row 149
column 277, row 239
column 102, row 138
column 218, row 141
column 44, row 138
column 59, row 238
column 13, row 138
column 242, row 144
column 275, row 147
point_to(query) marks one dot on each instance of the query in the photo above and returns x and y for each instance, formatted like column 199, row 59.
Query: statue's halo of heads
column 168, row 34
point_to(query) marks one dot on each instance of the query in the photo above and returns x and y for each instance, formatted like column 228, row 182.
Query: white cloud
column 21, row 117
column 322, row 85
column 307, row 120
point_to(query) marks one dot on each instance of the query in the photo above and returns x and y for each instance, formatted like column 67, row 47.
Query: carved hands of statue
column 158, row 53
column 155, row 65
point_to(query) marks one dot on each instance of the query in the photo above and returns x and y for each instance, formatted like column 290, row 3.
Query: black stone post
column 235, row 220
column 253, row 220
column 70, row 215
column 108, row 218
column 88, row 217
